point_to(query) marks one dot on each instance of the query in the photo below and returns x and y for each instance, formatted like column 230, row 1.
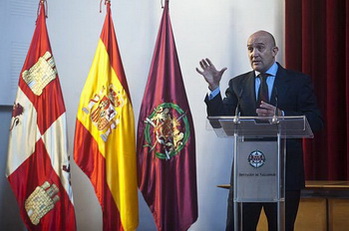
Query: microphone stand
column 236, row 119
column 275, row 119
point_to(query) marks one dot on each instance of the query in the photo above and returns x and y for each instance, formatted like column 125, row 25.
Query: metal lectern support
column 237, row 212
column 260, row 158
column 281, row 160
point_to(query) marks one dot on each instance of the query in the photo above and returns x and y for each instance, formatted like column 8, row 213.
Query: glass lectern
column 259, row 158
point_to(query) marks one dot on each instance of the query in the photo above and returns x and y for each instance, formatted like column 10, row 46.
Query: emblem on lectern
column 256, row 159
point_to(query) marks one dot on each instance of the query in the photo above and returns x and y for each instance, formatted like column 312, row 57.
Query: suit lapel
column 249, row 94
column 280, row 85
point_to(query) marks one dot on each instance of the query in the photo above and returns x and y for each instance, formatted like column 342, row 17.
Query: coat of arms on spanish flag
column 104, row 145
column 38, row 164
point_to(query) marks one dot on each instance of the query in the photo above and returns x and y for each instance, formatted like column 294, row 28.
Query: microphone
column 237, row 109
column 275, row 120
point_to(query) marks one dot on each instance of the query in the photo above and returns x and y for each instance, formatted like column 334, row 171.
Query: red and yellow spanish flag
column 104, row 145
column 38, row 166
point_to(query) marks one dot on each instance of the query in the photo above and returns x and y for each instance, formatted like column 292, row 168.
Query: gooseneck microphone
column 275, row 116
column 237, row 109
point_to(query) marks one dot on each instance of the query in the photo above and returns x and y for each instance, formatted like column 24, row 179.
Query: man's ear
column 275, row 50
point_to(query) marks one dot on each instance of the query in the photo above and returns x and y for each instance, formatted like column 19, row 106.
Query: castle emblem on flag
column 41, row 74
column 166, row 131
column 102, row 109
column 41, row 201
column 256, row 159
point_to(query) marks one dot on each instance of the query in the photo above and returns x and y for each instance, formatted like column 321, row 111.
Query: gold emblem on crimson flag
column 166, row 131
column 41, row 201
column 41, row 74
column 102, row 110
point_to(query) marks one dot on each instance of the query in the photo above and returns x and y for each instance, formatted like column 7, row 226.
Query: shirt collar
column 271, row 71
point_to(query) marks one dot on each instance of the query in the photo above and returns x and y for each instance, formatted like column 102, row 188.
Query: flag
column 104, row 145
column 166, row 141
column 38, row 166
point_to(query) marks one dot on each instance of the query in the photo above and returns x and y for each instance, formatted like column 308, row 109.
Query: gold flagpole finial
column 43, row 3
column 106, row 2
column 162, row 3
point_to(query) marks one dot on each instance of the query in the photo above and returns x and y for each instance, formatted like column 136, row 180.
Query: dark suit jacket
column 295, row 96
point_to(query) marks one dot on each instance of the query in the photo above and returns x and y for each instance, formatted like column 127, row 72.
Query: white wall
column 217, row 29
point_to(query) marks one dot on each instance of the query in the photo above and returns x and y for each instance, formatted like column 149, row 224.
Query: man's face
column 261, row 51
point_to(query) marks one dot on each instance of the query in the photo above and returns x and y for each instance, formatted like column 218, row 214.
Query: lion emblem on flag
column 166, row 130
column 17, row 110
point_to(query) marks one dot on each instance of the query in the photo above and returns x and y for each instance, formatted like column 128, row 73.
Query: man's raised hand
column 210, row 73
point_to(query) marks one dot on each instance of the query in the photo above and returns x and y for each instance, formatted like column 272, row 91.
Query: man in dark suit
column 257, row 92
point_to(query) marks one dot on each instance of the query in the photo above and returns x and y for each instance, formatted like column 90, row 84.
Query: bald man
column 257, row 94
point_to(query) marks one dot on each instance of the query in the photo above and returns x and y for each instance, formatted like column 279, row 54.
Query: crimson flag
column 166, row 141
column 38, row 166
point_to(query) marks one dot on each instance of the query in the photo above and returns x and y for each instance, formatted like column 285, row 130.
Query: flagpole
column 42, row 4
column 106, row 2
column 162, row 3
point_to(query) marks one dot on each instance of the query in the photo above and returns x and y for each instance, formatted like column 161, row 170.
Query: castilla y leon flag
column 38, row 166
column 166, row 142
column 104, row 145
